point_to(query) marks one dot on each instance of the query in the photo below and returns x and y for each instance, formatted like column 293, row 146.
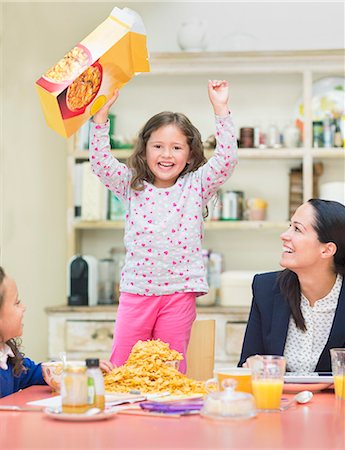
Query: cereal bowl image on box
column 83, row 91
column 52, row 372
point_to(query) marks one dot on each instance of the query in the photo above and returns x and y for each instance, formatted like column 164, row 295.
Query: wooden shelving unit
column 304, row 63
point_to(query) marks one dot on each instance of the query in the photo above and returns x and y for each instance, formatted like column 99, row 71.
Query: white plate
column 55, row 414
column 307, row 378
column 328, row 97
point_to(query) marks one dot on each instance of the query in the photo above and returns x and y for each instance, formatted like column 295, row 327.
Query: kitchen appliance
column 106, row 281
column 82, row 281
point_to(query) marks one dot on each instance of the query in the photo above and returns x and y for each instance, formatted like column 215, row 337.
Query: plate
column 328, row 97
column 57, row 415
column 294, row 388
column 308, row 378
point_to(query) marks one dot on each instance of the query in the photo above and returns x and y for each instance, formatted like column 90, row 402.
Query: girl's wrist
column 100, row 120
column 221, row 110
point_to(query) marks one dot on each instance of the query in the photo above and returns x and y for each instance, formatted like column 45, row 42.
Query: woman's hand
column 101, row 116
column 218, row 92
column 105, row 365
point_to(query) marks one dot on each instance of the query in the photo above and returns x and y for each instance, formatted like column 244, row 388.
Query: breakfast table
column 318, row 424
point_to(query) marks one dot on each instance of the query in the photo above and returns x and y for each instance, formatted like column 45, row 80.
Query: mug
column 241, row 375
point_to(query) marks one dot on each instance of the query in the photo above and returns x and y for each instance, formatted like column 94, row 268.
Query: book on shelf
column 92, row 200
column 94, row 196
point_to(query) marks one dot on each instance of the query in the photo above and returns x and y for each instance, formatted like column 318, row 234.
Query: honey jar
column 74, row 388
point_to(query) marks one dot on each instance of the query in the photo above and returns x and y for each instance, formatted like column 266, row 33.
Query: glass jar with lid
column 228, row 404
column 74, row 388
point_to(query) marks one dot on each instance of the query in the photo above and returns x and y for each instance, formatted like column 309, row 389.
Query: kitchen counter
column 87, row 331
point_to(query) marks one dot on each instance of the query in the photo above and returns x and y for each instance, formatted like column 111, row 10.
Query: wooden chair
column 200, row 354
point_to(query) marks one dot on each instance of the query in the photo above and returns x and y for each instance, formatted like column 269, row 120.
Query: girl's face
column 11, row 311
column 301, row 246
column 167, row 153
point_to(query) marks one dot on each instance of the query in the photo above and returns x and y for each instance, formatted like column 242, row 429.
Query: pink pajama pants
column 167, row 317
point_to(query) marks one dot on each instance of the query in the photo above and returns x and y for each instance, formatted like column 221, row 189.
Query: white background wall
column 33, row 157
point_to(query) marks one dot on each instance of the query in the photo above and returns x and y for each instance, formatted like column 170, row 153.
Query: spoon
column 301, row 397
column 63, row 357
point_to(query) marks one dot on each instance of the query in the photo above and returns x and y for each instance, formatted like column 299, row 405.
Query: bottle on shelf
column 327, row 132
column 95, row 384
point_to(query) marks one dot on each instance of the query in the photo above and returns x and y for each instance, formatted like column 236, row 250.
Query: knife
column 18, row 408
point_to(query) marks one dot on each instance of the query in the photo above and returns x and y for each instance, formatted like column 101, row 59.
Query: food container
column 228, row 404
column 78, row 85
column 74, row 388
column 232, row 205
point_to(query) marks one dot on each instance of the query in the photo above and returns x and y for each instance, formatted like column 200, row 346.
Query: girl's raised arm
column 218, row 92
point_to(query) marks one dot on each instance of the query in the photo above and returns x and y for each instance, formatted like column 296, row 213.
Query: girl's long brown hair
column 329, row 224
column 137, row 161
column 17, row 360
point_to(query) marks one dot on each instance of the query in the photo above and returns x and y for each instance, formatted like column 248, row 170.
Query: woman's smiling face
column 301, row 246
column 167, row 153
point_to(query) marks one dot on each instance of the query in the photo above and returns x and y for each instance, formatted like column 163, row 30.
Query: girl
column 299, row 312
column 16, row 372
column 165, row 190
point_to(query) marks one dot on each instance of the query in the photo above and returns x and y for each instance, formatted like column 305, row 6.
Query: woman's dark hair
column 17, row 360
column 329, row 224
column 137, row 161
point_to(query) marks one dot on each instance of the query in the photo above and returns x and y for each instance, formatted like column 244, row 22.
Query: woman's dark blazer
column 269, row 321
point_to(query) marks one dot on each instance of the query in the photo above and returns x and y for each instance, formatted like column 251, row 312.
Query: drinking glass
column 338, row 370
column 267, row 380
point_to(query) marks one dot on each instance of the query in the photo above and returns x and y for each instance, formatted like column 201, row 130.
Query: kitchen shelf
column 247, row 153
column 208, row 224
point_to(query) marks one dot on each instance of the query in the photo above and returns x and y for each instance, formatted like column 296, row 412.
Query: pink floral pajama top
column 164, row 226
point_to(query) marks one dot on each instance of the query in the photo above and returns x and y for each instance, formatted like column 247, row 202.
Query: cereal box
column 78, row 85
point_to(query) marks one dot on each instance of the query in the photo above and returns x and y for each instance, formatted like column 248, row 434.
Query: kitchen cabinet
column 84, row 332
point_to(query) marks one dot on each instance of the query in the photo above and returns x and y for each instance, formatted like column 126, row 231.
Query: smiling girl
column 16, row 371
column 165, row 189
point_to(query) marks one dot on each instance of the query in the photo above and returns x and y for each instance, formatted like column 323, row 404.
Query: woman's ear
column 329, row 250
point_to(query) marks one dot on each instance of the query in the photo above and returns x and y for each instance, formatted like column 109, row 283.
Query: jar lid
column 92, row 362
column 229, row 404
column 75, row 366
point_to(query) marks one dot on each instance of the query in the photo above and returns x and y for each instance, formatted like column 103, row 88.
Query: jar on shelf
column 291, row 136
column 246, row 137
column 317, row 134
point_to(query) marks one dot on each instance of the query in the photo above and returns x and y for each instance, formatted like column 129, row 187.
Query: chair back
column 200, row 354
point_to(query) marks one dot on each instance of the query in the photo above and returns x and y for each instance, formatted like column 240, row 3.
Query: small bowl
column 52, row 372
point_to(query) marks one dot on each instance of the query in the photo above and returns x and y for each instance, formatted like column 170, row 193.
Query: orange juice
column 267, row 393
column 339, row 386
column 241, row 375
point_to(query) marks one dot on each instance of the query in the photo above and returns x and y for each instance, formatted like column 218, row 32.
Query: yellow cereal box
column 78, row 85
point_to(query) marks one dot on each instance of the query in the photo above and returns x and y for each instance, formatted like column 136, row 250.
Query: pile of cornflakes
column 146, row 371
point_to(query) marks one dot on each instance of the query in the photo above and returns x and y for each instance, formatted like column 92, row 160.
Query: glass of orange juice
column 267, row 380
column 338, row 370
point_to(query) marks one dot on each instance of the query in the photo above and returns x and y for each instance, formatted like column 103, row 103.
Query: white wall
column 33, row 158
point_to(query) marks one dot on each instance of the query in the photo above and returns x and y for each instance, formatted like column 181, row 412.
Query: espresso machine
column 82, row 279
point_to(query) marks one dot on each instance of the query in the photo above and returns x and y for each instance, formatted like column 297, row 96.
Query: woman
column 300, row 312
